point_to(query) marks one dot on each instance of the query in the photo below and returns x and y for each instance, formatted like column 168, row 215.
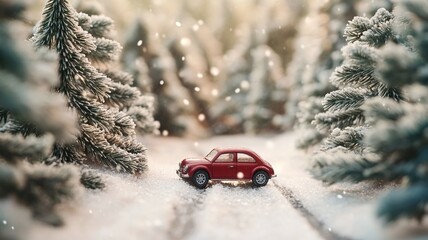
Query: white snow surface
column 159, row 205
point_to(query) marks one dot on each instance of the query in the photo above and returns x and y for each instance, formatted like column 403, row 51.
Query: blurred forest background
column 351, row 75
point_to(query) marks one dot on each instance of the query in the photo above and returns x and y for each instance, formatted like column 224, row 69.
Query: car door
column 224, row 167
column 245, row 165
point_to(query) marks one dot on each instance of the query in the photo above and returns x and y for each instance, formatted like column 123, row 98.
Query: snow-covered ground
column 159, row 205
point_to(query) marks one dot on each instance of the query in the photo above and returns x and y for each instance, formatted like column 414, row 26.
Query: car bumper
column 182, row 175
column 273, row 176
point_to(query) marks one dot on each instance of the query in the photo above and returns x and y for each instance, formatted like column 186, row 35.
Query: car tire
column 260, row 178
column 200, row 179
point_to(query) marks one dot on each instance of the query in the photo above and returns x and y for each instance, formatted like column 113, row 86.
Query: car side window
column 244, row 158
column 225, row 157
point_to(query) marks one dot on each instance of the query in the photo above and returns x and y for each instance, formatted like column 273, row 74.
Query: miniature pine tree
column 107, row 134
column 344, row 118
column 154, row 72
column 355, row 78
column 105, row 58
column 25, row 101
column 398, row 132
column 227, row 110
column 252, row 97
column 395, row 139
column 266, row 94
column 316, row 75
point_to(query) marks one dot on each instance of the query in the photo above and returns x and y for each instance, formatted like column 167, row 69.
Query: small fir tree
column 154, row 72
column 395, row 142
column 107, row 134
column 356, row 79
column 105, row 58
column 316, row 74
column 397, row 135
column 252, row 97
column 27, row 135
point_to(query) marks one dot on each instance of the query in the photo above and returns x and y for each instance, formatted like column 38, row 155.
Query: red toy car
column 226, row 164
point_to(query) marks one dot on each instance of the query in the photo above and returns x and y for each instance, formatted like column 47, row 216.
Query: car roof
column 229, row 149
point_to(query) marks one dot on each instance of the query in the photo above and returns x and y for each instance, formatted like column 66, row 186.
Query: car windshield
column 211, row 155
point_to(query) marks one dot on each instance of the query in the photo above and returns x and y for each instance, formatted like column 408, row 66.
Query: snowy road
column 159, row 205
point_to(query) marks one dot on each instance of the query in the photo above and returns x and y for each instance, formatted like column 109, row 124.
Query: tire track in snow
column 183, row 221
column 318, row 225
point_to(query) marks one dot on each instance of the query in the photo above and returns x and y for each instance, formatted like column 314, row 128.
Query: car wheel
column 260, row 178
column 200, row 179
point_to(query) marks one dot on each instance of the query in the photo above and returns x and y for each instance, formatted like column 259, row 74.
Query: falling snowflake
column 178, row 24
column 201, row 117
column 186, row 102
column 197, row 89
column 161, row 82
column 240, row 175
column 4, row 222
column 140, row 42
column 214, row 92
column 214, row 71
column 245, row 84
column 165, row 133
column 185, row 42
column 238, row 90
column 228, row 98
column 195, row 27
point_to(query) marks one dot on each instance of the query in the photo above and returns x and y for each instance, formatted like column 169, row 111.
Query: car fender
column 196, row 168
column 261, row 168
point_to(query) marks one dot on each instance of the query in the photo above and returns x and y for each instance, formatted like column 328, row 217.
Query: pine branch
column 378, row 108
column 97, row 147
column 46, row 187
column 91, row 180
column 106, row 51
column 99, row 26
column 337, row 166
column 15, row 147
column 119, row 76
column 347, row 98
column 122, row 96
column 349, row 138
column 355, row 28
column 408, row 131
column 410, row 202
column 342, row 119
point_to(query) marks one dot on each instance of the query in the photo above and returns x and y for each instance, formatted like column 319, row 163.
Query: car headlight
column 185, row 168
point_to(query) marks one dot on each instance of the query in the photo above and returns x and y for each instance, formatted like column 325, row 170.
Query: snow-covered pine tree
column 356, row 81
column 317, row 71
column 26, row 134
column 264, row 106
column 250, row 96
column 107, row 134
column 193, row 70
column 396, row 144
column 398, row 135
column 105, row 59
column 307, row 46
column 227, row 111
column 154, row 70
